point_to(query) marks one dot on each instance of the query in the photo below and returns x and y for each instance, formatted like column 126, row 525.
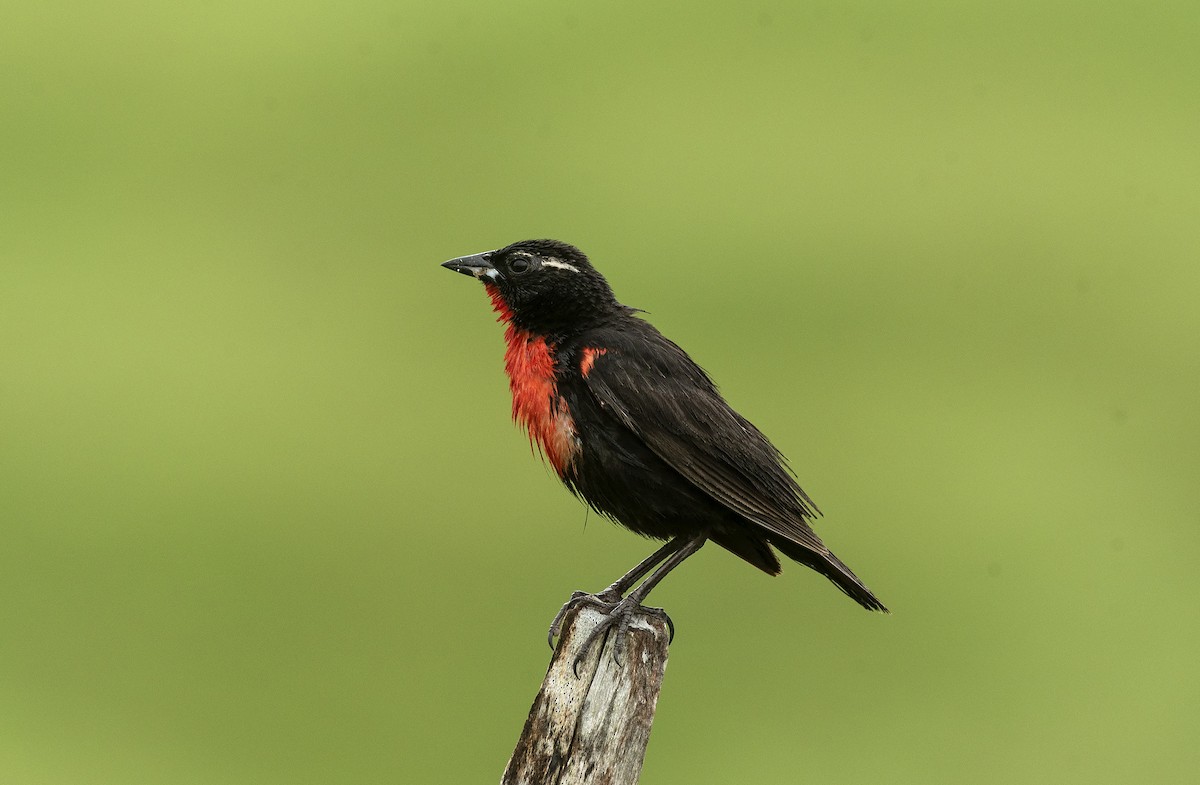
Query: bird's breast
column 536, row 404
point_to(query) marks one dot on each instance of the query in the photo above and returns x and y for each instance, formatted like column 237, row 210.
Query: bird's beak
column 478, row 265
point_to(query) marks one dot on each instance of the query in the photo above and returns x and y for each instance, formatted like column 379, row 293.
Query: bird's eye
column 520, row 264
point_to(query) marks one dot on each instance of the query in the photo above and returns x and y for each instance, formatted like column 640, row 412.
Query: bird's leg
column 621, row 585
column 621, row 613
column 608, row 599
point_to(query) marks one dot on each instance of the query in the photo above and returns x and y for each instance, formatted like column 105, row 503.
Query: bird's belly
column 617, row 475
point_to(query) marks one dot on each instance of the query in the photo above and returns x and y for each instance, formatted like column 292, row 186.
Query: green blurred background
column 263, row 517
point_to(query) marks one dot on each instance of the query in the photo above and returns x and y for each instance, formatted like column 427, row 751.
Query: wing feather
column 655, row 390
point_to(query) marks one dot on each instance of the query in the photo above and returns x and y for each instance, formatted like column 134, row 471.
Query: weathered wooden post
column 594, row 727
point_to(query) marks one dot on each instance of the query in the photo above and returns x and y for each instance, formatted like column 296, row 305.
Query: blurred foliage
column 263, row 518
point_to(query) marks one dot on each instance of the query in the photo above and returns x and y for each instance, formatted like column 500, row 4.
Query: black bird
column 637, row 430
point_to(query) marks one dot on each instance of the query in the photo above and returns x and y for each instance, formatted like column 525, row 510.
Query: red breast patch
column 537, row 406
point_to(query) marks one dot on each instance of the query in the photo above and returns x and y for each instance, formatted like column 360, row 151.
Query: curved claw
column 575, row 665
column 556, row 625
column 666, row 617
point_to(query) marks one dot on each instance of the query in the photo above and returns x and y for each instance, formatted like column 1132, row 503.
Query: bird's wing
column 650, row 385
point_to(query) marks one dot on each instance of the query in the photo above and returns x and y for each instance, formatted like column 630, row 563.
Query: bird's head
column 544, row 286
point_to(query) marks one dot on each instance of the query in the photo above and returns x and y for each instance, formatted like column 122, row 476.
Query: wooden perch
column 594, row 727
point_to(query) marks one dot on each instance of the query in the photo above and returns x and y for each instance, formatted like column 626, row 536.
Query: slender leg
column 620, row 614
column 613, row 594
column 622, row 584
column 686, row 549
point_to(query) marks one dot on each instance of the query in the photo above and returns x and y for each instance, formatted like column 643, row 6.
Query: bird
column 637, row 430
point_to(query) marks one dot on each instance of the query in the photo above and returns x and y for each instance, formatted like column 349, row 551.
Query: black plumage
column 637, row 429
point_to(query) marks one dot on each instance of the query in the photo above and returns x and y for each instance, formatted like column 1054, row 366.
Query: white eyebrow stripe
column 559, row 265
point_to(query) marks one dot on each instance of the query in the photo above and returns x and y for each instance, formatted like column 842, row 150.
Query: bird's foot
column 604, row 601
column 618, row 618
column 617, row 612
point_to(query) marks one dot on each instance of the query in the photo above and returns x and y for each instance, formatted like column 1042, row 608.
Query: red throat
column 536, row 406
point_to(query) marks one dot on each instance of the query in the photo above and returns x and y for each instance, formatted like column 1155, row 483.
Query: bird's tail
column 832, row 568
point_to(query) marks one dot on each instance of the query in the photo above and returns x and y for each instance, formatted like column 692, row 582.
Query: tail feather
column 832, row 568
